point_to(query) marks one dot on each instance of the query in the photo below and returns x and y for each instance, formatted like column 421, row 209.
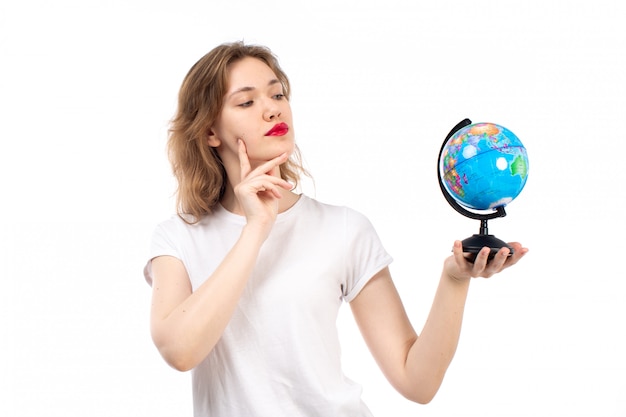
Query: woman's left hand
column 460, row 268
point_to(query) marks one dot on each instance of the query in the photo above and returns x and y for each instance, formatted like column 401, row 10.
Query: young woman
column 248, row 278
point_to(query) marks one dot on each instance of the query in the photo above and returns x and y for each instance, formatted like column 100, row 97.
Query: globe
column 483, row 166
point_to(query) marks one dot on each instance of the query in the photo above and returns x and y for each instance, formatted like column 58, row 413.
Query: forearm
column 191, row 330
column 431, row 353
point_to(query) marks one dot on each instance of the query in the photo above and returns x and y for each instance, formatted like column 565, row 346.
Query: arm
column 414, row 365
column 186, row 325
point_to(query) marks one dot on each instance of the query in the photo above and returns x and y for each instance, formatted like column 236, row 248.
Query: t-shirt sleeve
column 160, row 245
column 365, row 254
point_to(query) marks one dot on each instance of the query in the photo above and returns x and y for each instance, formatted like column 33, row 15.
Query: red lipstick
column 279, row 129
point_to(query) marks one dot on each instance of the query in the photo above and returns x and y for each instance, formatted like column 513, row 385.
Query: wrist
column 452, row 274
column 256, row 232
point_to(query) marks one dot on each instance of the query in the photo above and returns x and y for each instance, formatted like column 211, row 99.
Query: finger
column 459, row 256
column 480, row 263
column 518, row 249
column 275, row 171
column 267, row 183
column 518, row 252
column 271, row 167
column 268, row 186
column 244, row 162
column 498, row 262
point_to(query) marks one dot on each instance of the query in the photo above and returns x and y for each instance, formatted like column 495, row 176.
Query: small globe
column 484, row 166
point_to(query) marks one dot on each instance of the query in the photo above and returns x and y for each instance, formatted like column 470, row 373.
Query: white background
column 86, row 92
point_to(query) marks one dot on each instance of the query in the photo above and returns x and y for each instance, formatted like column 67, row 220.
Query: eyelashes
column 279, row 96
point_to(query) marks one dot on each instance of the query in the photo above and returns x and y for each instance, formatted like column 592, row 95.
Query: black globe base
column 473, row 244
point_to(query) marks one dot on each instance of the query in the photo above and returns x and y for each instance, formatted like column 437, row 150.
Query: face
column 254, row 111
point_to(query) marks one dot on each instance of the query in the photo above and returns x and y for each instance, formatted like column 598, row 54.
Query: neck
column 229, row 201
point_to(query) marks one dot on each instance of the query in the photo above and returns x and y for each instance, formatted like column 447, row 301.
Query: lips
column 278, row 130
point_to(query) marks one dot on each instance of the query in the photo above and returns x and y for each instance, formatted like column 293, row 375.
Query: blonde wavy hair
column 197, row 167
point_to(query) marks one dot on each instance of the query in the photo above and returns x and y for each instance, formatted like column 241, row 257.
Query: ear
column 212, row 139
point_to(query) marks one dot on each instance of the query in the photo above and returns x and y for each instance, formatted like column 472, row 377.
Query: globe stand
column 473, row 244
column 476, row 242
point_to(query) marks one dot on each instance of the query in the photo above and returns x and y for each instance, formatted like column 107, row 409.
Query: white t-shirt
column 280, row 354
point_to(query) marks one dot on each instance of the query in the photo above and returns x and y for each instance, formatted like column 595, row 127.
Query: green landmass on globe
column 484, row 166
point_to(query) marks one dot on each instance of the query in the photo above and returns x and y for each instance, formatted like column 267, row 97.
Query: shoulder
column 348, row 216
column 313, row 204
column 179, row 222
column 172, row 224
column 179, row 227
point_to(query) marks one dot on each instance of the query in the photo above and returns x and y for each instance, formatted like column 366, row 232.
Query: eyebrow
column 244, row 89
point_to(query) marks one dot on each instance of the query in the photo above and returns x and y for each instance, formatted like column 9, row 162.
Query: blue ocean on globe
column 484, row 166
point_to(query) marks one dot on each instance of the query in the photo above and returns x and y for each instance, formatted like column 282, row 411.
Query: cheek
column 229, row 137
column 230, row 126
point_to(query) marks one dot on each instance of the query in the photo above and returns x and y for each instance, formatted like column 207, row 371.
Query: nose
column 271, row 112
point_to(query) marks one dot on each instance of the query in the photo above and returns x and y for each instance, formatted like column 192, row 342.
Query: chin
column 291, row 148
column 288, row 145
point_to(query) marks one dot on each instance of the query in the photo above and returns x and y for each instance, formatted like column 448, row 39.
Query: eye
column 279, row 96
column 246, row 104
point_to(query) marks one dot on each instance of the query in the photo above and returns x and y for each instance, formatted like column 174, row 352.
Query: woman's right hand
column 187, row 323
column 259, row 189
